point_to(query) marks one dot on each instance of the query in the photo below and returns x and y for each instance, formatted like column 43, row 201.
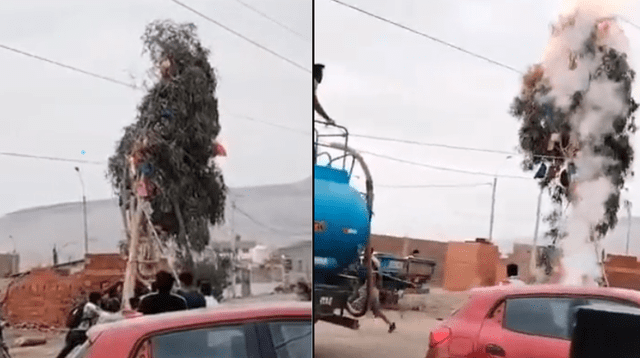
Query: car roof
column 557, row 290
column 483, row 299
column 194, row 317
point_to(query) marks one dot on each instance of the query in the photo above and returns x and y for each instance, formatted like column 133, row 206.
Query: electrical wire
column 427, row 144
column 454, row 170
column 272, row 20
column 628, row 22
column 70, row 67
column 472, row 185
column 427, row 36
column 271, row 124
column 112, row 80
column 277, row 231
column 242, row 36
column 51, row 158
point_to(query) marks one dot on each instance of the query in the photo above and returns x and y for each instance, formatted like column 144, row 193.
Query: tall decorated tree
column 163, row 170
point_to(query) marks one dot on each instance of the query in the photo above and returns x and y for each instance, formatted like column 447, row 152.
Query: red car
column 519, row 321
column 256, row 330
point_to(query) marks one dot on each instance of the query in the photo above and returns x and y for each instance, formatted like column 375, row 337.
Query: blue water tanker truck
column 342, row 226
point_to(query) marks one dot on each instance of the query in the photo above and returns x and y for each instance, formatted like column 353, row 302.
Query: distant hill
column 278, row 215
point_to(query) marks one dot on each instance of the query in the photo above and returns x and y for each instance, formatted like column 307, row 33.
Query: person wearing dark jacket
column 163, row 300
column 91, row 312
column 191, row 294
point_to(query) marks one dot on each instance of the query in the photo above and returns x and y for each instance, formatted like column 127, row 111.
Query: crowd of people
column 164, row 297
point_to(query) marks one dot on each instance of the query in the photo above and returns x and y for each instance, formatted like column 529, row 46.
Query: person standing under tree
column 194, row 298
column 163, row 300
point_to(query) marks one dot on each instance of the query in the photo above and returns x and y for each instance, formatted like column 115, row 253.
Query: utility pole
column 84, row 210
column 493, row 198
column 534, row 250
column 493, row 206
column 627, row 204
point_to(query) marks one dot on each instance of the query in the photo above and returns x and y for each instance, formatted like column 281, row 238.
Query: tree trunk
column 131, row 273
column 182, row 237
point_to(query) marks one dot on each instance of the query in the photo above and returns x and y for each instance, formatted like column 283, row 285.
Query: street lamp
column 84, row 210
column 493, row 196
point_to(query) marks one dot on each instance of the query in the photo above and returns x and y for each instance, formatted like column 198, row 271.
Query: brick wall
column 623, row 271
column 45, row 296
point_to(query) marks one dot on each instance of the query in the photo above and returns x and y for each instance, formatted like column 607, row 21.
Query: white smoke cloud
column 603, row 102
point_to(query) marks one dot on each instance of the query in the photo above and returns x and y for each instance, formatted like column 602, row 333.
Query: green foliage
column 173, row 133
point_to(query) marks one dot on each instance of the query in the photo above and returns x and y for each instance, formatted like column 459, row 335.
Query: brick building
column 623, row 271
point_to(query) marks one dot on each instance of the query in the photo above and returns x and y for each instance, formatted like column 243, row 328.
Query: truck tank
column 342, row 220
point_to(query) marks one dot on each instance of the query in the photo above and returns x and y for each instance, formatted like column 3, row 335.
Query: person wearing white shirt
column 206, row 290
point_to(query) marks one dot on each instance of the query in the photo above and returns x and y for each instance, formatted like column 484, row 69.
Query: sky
column 55, row 112
column 381, row 80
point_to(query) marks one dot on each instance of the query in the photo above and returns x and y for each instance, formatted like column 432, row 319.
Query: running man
column 374, row 303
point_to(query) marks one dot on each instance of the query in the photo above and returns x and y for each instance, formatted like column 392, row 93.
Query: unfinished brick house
column 46, row 295
column 623, row 271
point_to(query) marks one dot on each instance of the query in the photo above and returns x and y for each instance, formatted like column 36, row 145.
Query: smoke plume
column 576, row 112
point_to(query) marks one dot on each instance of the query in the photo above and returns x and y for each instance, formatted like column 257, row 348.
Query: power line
column 428, row 36
column 628, row 22
column 271, row 124
column 455, row 170
column 70, row 67
column 51, row 158
column 472, row 185
column 242, row 36
column 427, row 144
column 277, row 231
column 272, row 20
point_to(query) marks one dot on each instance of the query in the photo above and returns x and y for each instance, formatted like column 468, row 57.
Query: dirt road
column 410, row 339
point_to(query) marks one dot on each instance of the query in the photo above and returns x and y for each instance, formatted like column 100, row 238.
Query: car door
column 527, row 327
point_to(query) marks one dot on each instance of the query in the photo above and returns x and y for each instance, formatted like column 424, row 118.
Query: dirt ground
column 410, row 339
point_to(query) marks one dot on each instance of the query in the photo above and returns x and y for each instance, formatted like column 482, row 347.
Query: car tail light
column 438, row 336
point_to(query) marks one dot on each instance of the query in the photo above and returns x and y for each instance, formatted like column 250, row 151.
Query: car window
column 219, row 342
column 292, row 339
column 145, row 350
column 540, row 316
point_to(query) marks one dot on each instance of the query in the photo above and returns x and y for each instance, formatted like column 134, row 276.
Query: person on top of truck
column 317, row 79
